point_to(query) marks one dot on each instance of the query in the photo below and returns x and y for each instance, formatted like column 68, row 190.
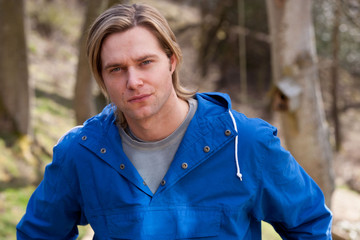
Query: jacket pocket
column 164, row 223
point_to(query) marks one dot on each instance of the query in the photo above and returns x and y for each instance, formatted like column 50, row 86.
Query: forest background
column 228, row 46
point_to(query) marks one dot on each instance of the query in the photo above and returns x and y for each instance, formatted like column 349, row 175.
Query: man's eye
column 146, row 62
column 117, row 69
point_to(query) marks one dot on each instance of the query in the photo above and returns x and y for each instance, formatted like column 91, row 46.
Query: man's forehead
column 135, row 44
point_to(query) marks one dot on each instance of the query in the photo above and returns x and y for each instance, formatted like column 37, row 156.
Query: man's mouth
column 139, row 98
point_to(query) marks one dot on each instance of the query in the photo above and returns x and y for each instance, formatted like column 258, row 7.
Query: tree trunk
column 335, row 75
column 294, row 56
column 15, row 91
column 242, row 52
column 83, row 99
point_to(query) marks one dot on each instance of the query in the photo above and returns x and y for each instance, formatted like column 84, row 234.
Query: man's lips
column 139, row 98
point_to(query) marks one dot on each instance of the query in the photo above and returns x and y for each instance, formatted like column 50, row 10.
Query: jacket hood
column 221, row 99
column 224, row 100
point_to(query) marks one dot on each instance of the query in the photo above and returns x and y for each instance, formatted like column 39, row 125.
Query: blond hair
column 122, row 17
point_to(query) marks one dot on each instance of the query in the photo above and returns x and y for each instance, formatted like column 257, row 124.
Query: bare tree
column 294, row 61
column 238, row 49
column 242, row 51
column 83, row 99
column 335, row 75
column 15, row 91
column 85, row 106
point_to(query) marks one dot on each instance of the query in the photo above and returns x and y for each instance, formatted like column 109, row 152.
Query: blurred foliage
column 323, row 12
column 8, row 166
column 49, row 17
column 12, row 207
column 51, row 66
column 220, row 44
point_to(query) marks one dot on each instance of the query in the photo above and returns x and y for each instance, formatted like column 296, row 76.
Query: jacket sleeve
column 288, row 198
column 53, row 211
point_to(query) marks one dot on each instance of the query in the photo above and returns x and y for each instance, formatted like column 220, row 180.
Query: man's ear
column 173, row 62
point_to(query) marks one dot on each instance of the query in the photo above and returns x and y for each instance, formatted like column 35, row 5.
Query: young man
column 163, row 163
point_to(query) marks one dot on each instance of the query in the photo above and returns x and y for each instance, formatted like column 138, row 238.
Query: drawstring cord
column 238, row 173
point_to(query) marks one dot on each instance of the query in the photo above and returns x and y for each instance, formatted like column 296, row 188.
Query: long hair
column 122, row 17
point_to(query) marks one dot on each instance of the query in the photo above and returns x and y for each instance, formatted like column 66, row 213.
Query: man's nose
column 134, row 79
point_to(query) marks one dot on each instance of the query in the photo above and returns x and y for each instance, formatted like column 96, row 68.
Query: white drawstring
column 238, row 173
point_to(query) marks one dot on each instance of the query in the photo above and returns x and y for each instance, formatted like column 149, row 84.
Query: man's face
column 137, row 74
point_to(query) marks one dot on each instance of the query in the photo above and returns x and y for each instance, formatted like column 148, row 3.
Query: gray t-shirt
column 153, row 159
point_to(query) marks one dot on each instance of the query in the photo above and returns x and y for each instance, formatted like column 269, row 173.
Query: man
column 163, row 163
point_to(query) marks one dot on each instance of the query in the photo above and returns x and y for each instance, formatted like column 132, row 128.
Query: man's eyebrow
column 147, row 56
column 112, row 65
column 139, row 59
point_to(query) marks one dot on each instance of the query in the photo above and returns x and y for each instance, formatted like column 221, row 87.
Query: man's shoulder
column 71, row 134
column 253, row 127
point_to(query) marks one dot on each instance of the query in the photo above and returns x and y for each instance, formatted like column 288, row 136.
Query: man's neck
column 162, row 125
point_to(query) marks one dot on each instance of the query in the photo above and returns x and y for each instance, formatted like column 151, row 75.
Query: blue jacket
column 228, row 174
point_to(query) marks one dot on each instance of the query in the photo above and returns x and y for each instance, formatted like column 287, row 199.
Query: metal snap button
column 227, row 132
column 184, row 165
column 163, row 182
column 84, row 138
column 103, row 150
column 206, row 149
column 122, row 166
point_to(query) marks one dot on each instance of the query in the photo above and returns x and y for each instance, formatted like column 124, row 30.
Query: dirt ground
column 346, row 210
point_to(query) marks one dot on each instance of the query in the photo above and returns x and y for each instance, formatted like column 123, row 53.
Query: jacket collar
column 206, row 129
